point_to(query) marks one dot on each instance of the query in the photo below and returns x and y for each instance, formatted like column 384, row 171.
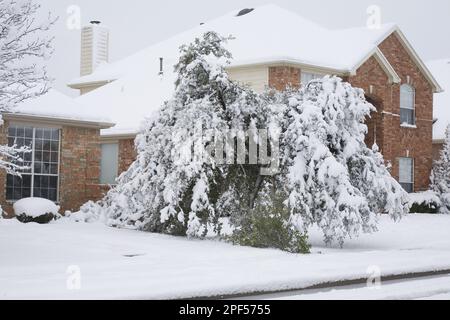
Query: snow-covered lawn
column 117, row 263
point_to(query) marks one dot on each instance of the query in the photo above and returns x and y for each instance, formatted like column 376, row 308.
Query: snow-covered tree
column 161, row 192
column 440, row 177
column 23, row 44
column 325, row 173
column 332, row 178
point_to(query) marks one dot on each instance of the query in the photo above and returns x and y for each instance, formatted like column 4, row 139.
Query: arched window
column 407, row 105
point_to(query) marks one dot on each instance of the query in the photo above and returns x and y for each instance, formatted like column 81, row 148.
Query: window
column 109, row 163
column 407, row 105
column 406, row 174
column 41, row 180
column 306, row 77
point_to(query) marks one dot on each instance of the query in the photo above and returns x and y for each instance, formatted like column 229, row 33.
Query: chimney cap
column 245, row 11
column 95, row 22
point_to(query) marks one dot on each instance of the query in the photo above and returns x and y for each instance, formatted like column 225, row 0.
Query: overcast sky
column 136, row 24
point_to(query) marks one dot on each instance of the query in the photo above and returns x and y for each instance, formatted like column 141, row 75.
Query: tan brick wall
column 283, row 77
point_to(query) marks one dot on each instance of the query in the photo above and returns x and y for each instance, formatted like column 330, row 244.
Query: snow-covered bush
column 266, row 226
column 331, row 177
column 35, row 210
column 440, row 177
column 324, row 173
column 424, row 202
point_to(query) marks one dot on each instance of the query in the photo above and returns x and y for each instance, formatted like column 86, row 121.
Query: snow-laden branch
column 24, row 44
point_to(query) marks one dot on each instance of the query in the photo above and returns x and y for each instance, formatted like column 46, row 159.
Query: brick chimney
column 94, row 47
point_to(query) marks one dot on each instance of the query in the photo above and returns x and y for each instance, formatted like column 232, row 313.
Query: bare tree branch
column 24, row 45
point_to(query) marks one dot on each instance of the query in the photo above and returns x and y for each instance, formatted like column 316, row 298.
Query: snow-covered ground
column 38, row 261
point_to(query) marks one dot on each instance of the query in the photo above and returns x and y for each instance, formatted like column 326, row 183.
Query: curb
column 327, row 285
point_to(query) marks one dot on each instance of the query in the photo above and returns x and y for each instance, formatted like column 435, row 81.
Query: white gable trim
column 387, row 67
column 384, row 63
column 420, row 64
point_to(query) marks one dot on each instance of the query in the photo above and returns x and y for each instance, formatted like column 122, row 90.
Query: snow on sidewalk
column 435, row 288
column 128, row 264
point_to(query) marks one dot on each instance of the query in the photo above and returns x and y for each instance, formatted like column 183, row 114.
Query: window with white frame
column 407, row 105
column 42, row 178
column 109, row 163
column 406, row 174
column 306, row 77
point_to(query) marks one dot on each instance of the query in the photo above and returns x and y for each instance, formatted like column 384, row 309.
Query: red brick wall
column 283, row 77
column 384, row 126
column 437, row 147
column 127, row 154
column 371, row 74
column 393, row 140
column 79, row 168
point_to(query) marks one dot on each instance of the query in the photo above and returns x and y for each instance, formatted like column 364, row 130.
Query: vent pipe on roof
column 161, row 66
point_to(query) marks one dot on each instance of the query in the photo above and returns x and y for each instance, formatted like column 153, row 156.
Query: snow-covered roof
column 441, row 110
column 56, row 106
column 267, row 35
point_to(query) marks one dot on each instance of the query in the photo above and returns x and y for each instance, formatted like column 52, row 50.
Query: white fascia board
column 384, row 63
column 42, row 119
column 387, row 67
column 82, row 85
column 423, row 68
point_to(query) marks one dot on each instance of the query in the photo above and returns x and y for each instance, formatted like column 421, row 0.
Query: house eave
column 82, row 85
column 115, row 137
column 39, row 119
column 277, row 62
column 438, row 141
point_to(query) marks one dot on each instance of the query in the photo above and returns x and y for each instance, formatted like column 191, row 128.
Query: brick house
column 441, row 69
column 65, row 161
column 287, row 52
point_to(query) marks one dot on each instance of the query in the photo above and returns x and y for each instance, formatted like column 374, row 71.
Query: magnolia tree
column 270, row 164
column 23, row 44
column 440, row 177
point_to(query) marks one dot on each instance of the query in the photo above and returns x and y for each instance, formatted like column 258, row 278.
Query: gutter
column 82, row 85
column 57, row 120
column 290, row 62
column 115, row 137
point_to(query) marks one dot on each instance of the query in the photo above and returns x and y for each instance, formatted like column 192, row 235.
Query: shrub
column 36, row 210
column 266, row 227
column 424, row 202
column 42, row 219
